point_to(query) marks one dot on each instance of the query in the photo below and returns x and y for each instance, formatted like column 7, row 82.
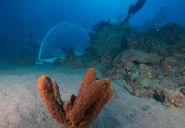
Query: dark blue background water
column 20, row 17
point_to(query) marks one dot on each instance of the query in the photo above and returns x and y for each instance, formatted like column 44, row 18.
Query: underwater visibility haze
column 92, row 63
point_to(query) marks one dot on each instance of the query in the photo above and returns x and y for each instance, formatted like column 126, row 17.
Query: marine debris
column 60, row 38
column 80, row 110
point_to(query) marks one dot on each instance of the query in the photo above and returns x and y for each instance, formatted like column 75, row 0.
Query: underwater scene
column 92, row 64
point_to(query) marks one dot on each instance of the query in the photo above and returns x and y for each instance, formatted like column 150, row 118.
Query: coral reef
column 137, row 56
column 167, row 97
column 126, row 62
column 151, row 62
column 166, row 40
column 107, row 41
column 80, row 110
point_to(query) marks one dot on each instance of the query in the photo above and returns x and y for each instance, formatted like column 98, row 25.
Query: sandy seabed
column 21, row 106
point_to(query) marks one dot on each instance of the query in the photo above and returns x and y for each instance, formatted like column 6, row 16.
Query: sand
column 21, row 106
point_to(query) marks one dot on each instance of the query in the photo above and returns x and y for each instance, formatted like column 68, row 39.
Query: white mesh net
column 63, row 37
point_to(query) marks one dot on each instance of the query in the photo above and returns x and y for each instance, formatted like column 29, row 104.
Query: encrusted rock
column 147, row 71
column 132, row 55
column 173, row 98
column 168, row 63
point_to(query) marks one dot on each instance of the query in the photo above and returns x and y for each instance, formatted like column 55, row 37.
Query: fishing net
column 61, row 38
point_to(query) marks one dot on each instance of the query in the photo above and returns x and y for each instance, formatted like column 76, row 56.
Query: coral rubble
column 80, row 110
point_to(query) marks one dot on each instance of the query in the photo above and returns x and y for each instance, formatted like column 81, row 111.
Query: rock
column 146, row 107
column 137, row 56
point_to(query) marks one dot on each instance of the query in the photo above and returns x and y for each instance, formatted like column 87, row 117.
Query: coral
column 145, row 92
column 165, row 40
column 136, row 41
column 49, row 93
column 147, row 71
column 168, row 63
column 173, row 98
column 106, row 45
column 99, row 26
column 138, row 56
column 127, row 60
column 108, row 42
column 80, row 110
column 134, row 85
column 168, row 97
column 150, row 61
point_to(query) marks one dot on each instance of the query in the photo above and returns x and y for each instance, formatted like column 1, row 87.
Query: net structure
column 61, row 38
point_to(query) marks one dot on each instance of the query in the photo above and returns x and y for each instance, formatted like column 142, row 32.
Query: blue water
column 40, row 15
